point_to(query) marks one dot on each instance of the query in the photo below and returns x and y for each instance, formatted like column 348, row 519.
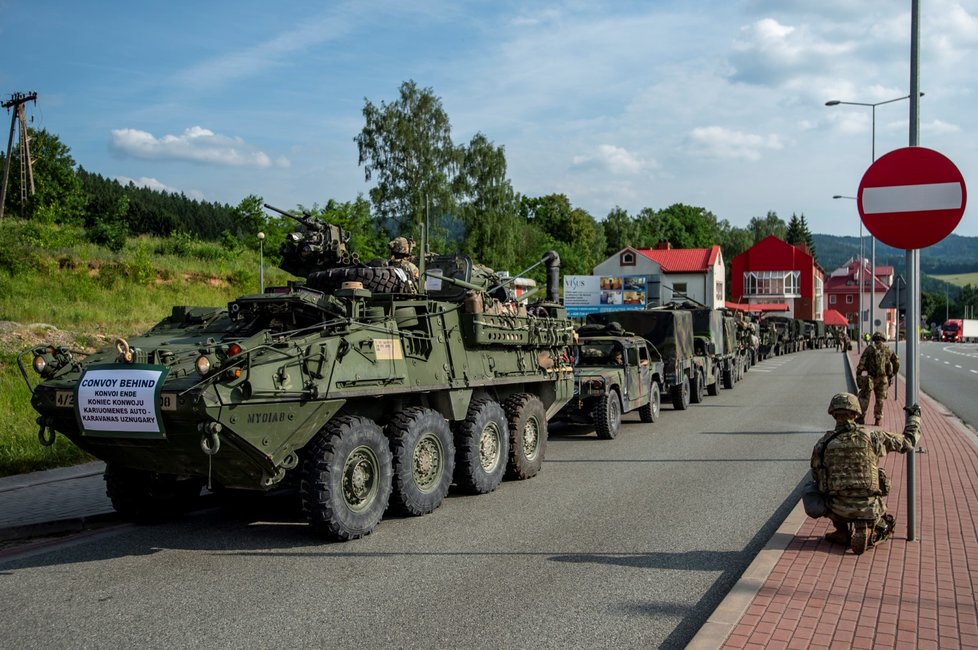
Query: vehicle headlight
column 203, row 365
column 40, row 363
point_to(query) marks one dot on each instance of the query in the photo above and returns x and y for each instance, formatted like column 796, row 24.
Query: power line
column 17, row 101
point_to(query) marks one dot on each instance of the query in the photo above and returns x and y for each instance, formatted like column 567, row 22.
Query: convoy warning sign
column 114, row 399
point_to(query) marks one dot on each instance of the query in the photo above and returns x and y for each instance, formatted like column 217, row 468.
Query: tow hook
column 45, row 434
column 210, row 443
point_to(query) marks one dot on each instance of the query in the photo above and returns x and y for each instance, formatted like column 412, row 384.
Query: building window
column 848, row 300
column 627, row 259
column 679, row 287
column 832, row 299
column 772, row 283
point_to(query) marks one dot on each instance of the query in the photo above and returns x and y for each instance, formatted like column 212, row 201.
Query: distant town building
column 773, row 271
column 843, row 288
column 672, row 273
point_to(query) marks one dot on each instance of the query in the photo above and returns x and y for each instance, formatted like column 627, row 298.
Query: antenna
column 17, row 101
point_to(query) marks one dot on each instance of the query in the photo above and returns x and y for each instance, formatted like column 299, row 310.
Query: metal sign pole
column 913, row 273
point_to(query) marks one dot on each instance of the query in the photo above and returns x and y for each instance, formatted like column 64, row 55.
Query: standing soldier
column 845, row 467
column 875, row 363
column 400, row 257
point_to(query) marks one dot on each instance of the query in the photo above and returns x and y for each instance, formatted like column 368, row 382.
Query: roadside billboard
column 591, row 294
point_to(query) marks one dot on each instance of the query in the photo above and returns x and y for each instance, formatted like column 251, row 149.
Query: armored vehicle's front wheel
column 147, row 496
column 607, row 415
column 680, row 396
column 650, row 412
column 424, row 460
column 346, row 478
column 481, row 447
column 697, row 388
column 527, row 421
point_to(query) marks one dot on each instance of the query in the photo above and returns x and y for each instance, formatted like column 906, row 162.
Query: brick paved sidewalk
column 902, row 594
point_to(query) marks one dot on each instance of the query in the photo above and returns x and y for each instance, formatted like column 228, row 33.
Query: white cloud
column 718, row 142
column 771, row 53
column 196, row 144
column 613, row 159
column 145, row 181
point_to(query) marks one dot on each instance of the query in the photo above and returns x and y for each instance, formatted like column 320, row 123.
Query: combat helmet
column 845, row 402
column 400, row 246
column 879, row 336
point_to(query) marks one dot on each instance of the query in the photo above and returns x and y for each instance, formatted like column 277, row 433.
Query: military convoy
column 355, row 386
column 615, row 372
column 373, row 387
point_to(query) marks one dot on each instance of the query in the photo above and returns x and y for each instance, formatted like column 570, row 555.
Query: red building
column 773, row 271
column 843, row 289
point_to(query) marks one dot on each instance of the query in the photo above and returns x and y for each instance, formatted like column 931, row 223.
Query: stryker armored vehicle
column 356, row 385
column 614, row 372
column 671, row 332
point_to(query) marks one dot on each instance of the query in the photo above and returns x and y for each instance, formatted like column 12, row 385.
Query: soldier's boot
column 862, row 534
column 840, row 535
column 884, row 528
column 877, row 420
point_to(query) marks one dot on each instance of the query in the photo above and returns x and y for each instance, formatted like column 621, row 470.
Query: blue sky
column 713, row 103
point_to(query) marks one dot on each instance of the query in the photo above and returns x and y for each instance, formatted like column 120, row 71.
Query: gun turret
column 314, row 246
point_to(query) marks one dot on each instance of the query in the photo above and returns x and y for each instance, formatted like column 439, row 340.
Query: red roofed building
column 842, row 290
column 673, row 273
column 774, row 271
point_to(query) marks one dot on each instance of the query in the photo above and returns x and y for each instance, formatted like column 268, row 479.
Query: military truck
column 615, row 372
column 815, row 336
column 355, row 385
column 671, row 332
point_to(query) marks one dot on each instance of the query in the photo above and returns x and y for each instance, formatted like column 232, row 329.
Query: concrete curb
column 21, row 481
column 59, row 527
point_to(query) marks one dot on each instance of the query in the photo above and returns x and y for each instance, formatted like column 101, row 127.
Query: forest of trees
column 424, row 185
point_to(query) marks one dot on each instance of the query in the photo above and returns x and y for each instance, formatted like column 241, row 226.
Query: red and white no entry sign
column 912, row 198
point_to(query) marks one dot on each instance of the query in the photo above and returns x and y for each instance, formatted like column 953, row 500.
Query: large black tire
column 346, row 478
column 149, row 497
column 527, row 421
column 424, row 460
column 680, row 395
column 481, row 447
column 714, row 388
column 649, row 412
column 607, row 415
column 728, row 378
column 697, row 388
column 378, row 279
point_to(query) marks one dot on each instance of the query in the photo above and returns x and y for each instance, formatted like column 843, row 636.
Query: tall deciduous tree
column 619, row 231
column 58, row 195
column 407, row 147
column 772, row 224
column 573, row 230
column 487, row 205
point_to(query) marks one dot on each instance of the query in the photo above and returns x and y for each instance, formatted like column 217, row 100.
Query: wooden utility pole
column 17, row 101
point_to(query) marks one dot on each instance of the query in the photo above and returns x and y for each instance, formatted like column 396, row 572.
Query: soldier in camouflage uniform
column 400, row 257
column 845, row 466
column 875, row 363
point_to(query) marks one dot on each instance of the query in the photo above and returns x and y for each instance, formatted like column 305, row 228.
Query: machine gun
column 314, row 246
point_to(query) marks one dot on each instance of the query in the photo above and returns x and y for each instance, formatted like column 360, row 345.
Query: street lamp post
column 859, row 296
column 872, row 279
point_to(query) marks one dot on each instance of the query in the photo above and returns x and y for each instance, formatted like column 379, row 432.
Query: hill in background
column 955, row 254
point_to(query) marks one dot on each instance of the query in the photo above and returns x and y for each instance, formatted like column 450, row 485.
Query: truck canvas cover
column 670, row 331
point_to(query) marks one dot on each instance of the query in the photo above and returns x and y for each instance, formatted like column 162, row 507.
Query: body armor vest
column 851, row 465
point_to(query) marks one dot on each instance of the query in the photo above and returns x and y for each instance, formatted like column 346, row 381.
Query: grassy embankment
column 960, row 279
column 57, row 287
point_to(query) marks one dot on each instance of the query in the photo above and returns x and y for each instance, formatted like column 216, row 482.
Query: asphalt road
column 949, row 374
column 625, row 543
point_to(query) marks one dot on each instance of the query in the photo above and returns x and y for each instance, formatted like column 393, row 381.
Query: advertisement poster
column 588, row 294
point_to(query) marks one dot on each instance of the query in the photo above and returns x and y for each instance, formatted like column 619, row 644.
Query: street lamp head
column 834, row 102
